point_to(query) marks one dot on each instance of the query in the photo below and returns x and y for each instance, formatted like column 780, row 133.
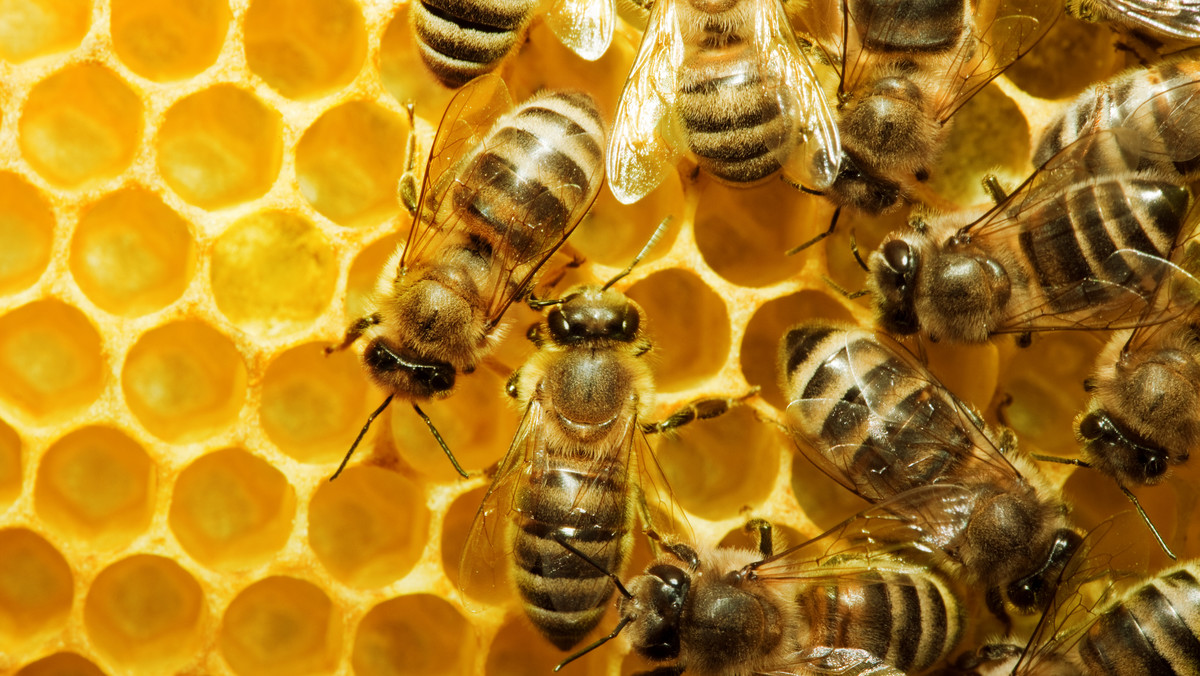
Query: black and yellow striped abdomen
column 462, row 39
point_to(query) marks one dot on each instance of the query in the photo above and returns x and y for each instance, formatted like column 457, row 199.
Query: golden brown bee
column 462, row 39
column 726, row 81
column 1171, row 19
column 906, row 66
column 500, row 195
column 869, row 415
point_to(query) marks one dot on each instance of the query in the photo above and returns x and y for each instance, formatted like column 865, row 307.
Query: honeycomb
column 195, row 196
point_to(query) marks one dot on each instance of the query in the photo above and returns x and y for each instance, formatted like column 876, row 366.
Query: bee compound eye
column 556, row 321
column 1094, row 425
column 1154, row 463
column 898, row 256
column 437, row 377
column 629, row 323
column 379, row 357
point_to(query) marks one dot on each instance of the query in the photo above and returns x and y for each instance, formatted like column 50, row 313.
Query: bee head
column 407, row 375
column 593, row 314
column 893, row 279
column 1118, row 451
column 660, row 596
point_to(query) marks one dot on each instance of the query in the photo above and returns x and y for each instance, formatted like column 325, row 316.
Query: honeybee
column 840, row 603
column 906, row 66
column 501, row 194
column 869, row 415
column 578, row 464
column 461, row 40
column 727, row 82
column 1173, row 19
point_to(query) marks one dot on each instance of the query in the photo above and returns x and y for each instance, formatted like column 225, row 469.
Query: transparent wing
column 640, row 154
column 657, row 507
column 584, row 26
column 839, row 661
column 1170, row 120
column 1176, row 18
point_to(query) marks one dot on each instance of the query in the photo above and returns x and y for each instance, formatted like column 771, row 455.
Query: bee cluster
column 1095, row 239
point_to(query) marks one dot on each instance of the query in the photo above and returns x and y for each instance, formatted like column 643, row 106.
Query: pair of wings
column 484, row 565
column 645, row 139
column 468, row 131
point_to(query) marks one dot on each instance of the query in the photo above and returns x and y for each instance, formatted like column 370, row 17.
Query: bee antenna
column 654, row 237
column 362, row 433
column 620, row 625
column 1149, row 524
column 828, row 231
column 854, row 250
column 850, row 295
column 611, row 575
column 441, row 442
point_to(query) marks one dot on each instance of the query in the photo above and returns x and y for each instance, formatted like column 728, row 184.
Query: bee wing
column 1169, row 121
column 839, row 661
column 642, row 152
column 584, row 26
column 1177, row 18
column 658, row 509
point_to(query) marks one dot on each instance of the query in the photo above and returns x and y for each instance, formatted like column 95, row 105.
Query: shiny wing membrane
column 1177, row 18
column 654, row 500
column 839, row 661
column 584, row 26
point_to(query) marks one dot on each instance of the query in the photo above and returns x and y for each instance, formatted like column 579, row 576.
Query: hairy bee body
column 1177, row 20
column 462, row 39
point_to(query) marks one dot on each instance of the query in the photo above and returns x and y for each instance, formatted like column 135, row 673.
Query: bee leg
column 991, row 185
column 828, row 231
column 766, row 544
column 354, row 332
column 679, row 550
column 510, row 388
column 700, row 409
column 1025, row 339
column 995, row 604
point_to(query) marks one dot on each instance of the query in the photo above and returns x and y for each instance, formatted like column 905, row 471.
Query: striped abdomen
column 910, row 25
column 1068, row 245
column 462, row 39
column 565, row 596
column 909, row 620
column 1155, row 630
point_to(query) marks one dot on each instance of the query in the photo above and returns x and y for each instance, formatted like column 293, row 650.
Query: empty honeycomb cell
column 689, row 325
column 219, row 147
column 969, row 371
column 147, row 612
column 10, row 464
column 417, row 635
column 96, row 484
column 164, row 41
column 33, row 28
column 1073, row 55
column 36, row 588
column 281, row 625
column 766, row 329
column 743, row 234
column 403, row 74
column 519, row 650
column 369, row 526
column 131, row 254
column 82, row 123
column 61, row 664
column 824, row 501
column 1045, row 382
column 456, row 527
column 989, row 135
column 273, row 272
column 231, row 509
column 360, row 286
column 184, row 381
column 50, row 359
column 612, row 233
column 349, row 162
column 313, row 404
column 305, row 48
column 26, row 233
column 720, row 466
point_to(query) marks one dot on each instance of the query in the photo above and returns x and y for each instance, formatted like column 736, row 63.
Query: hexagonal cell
column 403, row 74
column 33, row 28
column 766, row 329
column 613, row 233
column 349, row 162
column 305, row 48
column 273, row 272
column 164, row 41
column 36, row 587
column 231, row 509
column 312, row 404
column 61, row 664
column 417, row 635
column 989, row 135
column 368, row 527
column 146, row 611
column 10, row 464
column 281, row 625
column 1073, row 55
column 131, row 254
column 364, row 271
column 689, row 325
column 219, row 147
column 519, row 650
column 96, row 484
column 82, row 123
column 720, row 466
column 1045, row 382
column 184, row 381
column 50, row 359
column 743, row 232
column 26, row 233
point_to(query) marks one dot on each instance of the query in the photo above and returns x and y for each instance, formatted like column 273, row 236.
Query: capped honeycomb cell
column 369, row 526
column 131, row 254
column 50, row 359
column 689, row 325
column 360, row 287
column 33, row 28
column 184, row 381
column 82, row 123
column 219, row 147
column 10, row 464
column 36, row 588
column 305, row 48
column 231, row 509
column 146, row 612
column 743, row 234
column 61, row 664
column 164, row 41
column 281, row 625
column 417, row 635
column 273, row 272
column 26, row 233
column 96, row 484
column 313, row 404
column 349, row 162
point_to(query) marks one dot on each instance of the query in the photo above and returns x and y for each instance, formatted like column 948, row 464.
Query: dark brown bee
column 868, row 414
column 460, row 40
column 1171, row 19
column 500, row 195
